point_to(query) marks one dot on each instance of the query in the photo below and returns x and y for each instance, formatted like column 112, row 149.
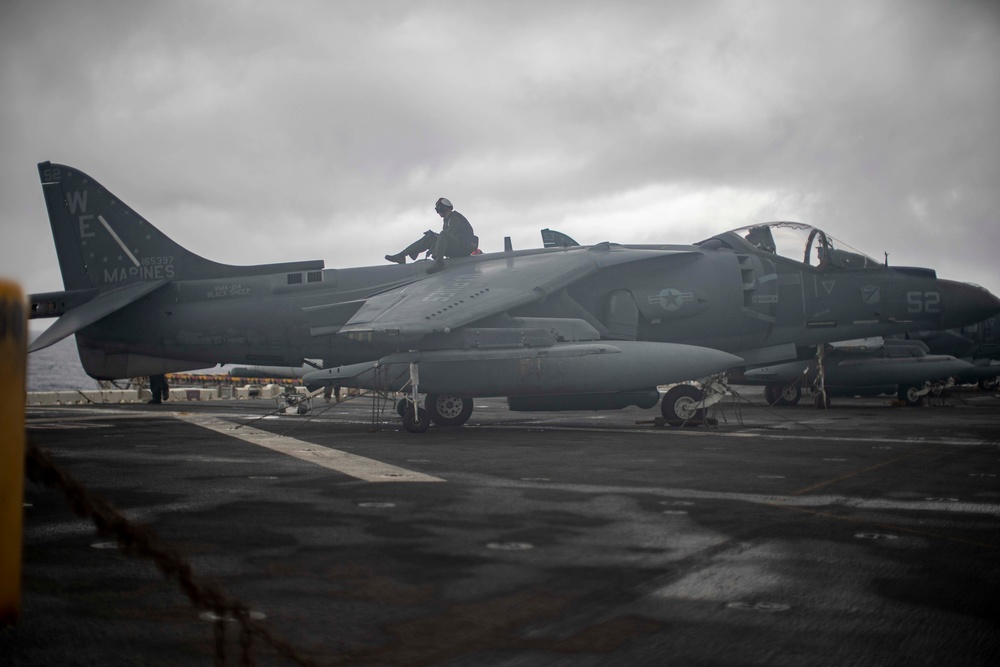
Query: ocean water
column 57, row 367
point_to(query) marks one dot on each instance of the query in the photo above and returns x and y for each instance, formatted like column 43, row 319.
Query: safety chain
column 382, row 393
column 85, row 397
column 739, row 399
column 276, row 411
column 138, row 540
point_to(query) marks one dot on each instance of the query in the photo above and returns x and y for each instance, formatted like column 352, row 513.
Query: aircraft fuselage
column 739, row 303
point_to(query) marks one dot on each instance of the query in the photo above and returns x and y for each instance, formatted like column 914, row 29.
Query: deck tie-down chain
column 139, row 540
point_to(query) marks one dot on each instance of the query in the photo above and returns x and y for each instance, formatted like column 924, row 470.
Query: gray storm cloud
column 254, row 132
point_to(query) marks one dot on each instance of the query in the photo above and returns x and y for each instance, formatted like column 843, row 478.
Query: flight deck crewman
column 456, row 239
column 159, row 388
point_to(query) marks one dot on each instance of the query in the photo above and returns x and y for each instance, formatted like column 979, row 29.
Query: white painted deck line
column 359, row 467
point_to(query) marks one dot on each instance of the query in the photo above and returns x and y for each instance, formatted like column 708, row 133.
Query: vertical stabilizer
column 102, row 243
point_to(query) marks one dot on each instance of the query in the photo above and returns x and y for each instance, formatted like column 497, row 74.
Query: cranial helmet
column 442, row 204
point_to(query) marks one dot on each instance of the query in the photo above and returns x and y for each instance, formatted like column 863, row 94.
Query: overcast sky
column 256, row 132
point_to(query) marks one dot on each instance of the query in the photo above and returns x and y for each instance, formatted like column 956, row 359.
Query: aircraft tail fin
column 102, row 243
column 553, row 239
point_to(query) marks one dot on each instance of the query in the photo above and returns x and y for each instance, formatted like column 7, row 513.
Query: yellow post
column 13, row 365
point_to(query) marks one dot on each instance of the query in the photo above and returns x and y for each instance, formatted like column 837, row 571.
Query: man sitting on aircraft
column 456, row 239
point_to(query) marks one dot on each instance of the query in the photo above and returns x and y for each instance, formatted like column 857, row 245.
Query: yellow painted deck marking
column 855, row 473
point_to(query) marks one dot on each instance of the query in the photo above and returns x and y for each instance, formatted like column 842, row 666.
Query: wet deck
column 865, row 534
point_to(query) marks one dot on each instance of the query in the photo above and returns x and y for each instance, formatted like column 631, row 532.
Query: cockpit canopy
column 798, row 242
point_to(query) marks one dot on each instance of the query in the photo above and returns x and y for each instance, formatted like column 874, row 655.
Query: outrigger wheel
column 416, row 419
column 680, row 403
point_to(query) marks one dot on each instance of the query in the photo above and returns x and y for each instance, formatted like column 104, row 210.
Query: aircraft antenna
column 886, row 257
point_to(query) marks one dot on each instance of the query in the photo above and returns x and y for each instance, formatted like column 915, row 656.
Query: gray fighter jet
column 568, row 327
column 871, row 366
column 978, row 344
column 912, row 365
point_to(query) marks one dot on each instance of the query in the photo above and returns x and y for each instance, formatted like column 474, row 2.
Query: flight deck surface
column 862, row 535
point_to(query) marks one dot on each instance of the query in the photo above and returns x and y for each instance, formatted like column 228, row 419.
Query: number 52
column 923, row 302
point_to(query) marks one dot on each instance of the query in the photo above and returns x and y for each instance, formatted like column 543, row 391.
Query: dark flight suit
column 159, row 388
column 457, row 239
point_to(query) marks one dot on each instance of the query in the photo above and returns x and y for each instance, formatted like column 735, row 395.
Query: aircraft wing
column 466, row 292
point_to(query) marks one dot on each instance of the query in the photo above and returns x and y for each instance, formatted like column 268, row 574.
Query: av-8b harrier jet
column 558, row 328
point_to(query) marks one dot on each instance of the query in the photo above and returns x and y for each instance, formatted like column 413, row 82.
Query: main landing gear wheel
column 447, row 410
column 416, row 421
column 680, row 403
column 401, row 407
column 908, row 394
column 776, row 394
column 988, row 384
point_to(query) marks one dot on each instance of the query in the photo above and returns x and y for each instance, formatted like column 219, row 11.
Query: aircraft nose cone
column 965, row 303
